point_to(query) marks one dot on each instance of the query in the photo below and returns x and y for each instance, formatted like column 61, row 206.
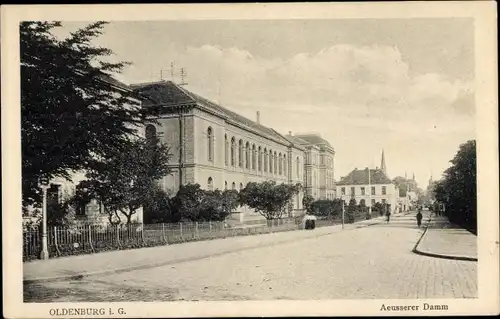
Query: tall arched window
column 233, row 152
column 233, row 186
column 240, row 154
column 247, row 155
column 225, row 185
column 298, row 167
column 210, row 184
column 280, row 165
column 265, row 160
column 259, row 159
column 275, row 170
column 226, row 149
column 241, row 186
column 270, row 161
column 210, row 141
column 254, row 157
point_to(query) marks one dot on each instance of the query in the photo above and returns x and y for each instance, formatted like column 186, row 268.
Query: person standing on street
column 419, row 218
column 388, row 215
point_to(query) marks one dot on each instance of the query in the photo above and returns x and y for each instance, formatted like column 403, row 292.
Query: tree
column 72, row 111
column 457, row 189
column 307, row 202
column 267, row 198
column 126, row 180
column 230, row 200
column 159, row 208
column 325, row 207
column 187, row 202
column 351, row 210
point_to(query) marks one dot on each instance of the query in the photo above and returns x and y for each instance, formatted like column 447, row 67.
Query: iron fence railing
column 77, row 240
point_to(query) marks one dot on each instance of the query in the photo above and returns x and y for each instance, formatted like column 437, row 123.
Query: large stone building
column 319, row 181
column 369, row 186
column 220, row 149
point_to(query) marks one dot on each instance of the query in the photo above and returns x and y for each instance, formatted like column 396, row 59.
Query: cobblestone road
column 373, row 262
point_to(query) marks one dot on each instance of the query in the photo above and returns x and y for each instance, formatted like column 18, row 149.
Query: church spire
column 382, row 163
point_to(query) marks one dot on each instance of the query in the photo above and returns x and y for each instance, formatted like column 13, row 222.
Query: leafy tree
column 307, row 202
column 458, row 188
column 159, row 208
column 72, row 111
column 325, row 207
column 378, row 207
column 126, row 181
column 187, row 202
column 267, row 198
column 230, row 200
column 351, row 210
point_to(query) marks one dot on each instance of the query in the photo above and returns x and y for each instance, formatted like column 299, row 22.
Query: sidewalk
column 75, row 267
column 443, row 239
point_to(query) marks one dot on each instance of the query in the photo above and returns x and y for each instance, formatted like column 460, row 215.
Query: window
column 384, row 201
column 280, row 165
column 233, row 187
column 247, row 155
column 260, row 160
column 240, row 155
column 362, row 191
column 151, row 133
column 373, row 190
column 384, row 190
column 254, row 157
column 353, row 191
column 54, row 194
column 210, row 141
column 225, row 185
column 241, row 186
column 342, row 190
column 275, row 163
column 266, row 159
column 362, row 202
column 270, row 161
column 210, row 184
column 233, row 152
column 226, row 149
column 373, row 202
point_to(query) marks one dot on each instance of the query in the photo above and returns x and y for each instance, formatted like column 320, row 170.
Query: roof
column 360, row 177
column 167, row 93
column 313, row 139
column 111, row 80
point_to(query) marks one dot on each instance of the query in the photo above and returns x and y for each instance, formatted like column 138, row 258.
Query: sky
column 405, row 86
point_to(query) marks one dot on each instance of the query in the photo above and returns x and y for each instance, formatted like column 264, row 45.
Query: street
column 371, row 262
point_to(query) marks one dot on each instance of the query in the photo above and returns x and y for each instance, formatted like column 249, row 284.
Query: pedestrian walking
column 388, row 215
column 419, row 218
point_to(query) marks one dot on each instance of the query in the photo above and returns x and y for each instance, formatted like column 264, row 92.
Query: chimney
column 258, row 117
column 290, row 133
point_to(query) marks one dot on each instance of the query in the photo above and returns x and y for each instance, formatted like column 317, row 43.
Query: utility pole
column 343, row 210
column 183, row 75
column 370, row 192
column 44, row 185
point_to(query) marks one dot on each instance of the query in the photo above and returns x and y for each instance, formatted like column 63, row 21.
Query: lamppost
column 44, row 185
column 343, row 210
column 370, row 193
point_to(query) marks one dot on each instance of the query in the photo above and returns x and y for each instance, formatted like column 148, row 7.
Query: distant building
column 369, row 186
column 319, row 179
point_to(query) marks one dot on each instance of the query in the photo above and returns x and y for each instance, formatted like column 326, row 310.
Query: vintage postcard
column 292, row 159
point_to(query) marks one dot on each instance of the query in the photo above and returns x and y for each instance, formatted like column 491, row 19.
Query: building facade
column 319, row 181
column 370, row 186
column 218, row 148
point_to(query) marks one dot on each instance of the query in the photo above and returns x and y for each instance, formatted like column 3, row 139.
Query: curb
column 434, row 255
column 166, row 263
